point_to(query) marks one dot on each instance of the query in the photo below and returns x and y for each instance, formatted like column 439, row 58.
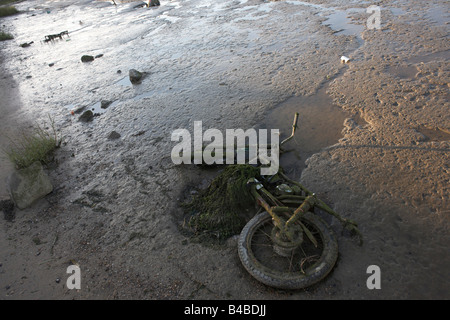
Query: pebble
column 114, row 135
column 87, row 58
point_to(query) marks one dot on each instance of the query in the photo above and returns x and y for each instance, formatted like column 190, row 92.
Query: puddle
column 340, row 22
column 97, row 107
column 443, row 55
column 439, row 15
column 307, row 4
column 125, row 82
column 397, row 11
column 145, row 95
column 320, row 125
column 435, row 134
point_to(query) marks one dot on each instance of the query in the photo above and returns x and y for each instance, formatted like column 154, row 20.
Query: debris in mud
column 135, row 76
column 345, row 59
column 52, row 37
column 26, row 44
column 87, row 58
column 7, row 206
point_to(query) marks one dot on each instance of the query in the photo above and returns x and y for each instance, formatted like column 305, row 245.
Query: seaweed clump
column 219, row 210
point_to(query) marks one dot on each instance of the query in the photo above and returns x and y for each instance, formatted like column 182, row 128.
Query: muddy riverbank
column 115, row 209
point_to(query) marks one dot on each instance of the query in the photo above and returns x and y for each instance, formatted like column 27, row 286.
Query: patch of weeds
column 8, row 11
column 5, row 36
column 38, row 146
column 5, row 2
column 219, row 211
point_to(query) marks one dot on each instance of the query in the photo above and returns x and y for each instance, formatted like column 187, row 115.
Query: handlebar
column 294, row 127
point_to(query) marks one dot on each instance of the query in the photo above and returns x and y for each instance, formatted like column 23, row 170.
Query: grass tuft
column 5, row 36
column 8, row 11
column 38, row 146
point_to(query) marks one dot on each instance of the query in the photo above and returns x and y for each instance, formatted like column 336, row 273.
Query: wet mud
column 373, row 140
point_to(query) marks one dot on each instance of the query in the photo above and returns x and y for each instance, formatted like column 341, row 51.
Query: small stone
column 87, row 116
column 105, row 104
column 114, row 135
column 87, row 58
column 135, row 76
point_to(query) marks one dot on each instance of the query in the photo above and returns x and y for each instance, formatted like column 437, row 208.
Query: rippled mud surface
column 373, row 140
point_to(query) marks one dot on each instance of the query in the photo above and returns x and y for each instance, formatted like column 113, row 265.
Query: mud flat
column 115, row 208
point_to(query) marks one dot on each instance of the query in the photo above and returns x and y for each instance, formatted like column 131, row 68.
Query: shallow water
column 320, row 125
column 340, row 22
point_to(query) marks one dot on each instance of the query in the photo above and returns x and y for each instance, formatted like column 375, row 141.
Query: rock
column 114, row 135
column 153, row 3
column 87, row 58
column 135, row 76
column 87, row 116
column 105, row 104
column 79, row 109
column 28, row 185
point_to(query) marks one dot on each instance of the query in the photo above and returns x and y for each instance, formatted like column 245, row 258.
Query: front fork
column 286, row 227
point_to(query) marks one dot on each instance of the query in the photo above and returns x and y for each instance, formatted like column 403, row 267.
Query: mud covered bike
column 287, row 245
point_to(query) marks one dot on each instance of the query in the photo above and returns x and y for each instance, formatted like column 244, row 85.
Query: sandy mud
column 373, row 141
